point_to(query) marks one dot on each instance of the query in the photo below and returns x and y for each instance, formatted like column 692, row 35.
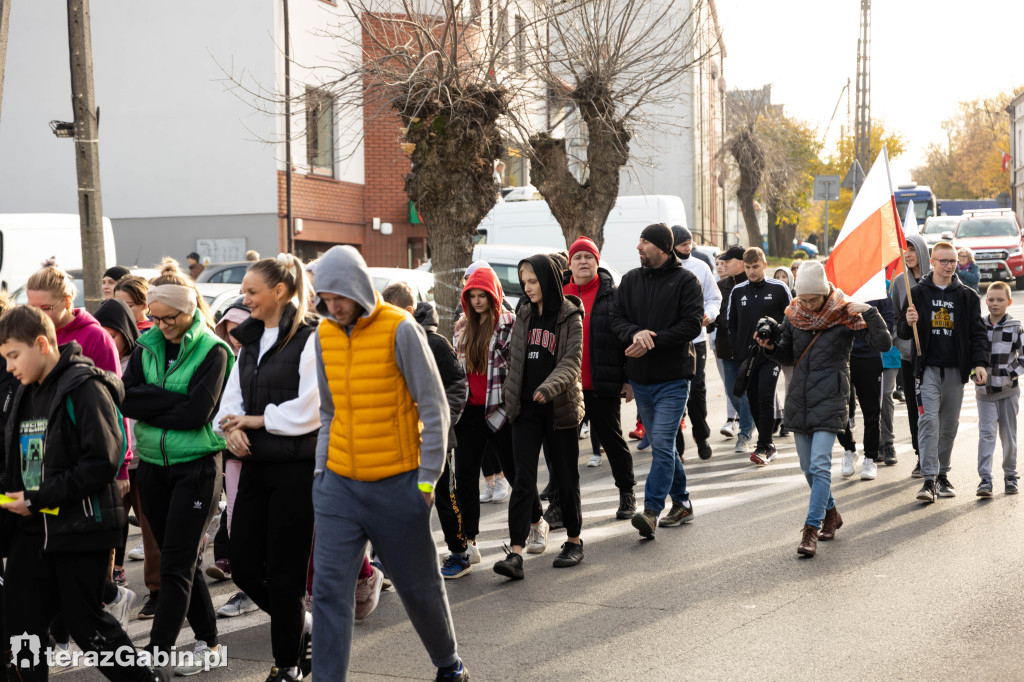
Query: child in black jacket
column 64, row 442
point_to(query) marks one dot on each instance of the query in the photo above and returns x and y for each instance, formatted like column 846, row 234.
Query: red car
column 996, row 237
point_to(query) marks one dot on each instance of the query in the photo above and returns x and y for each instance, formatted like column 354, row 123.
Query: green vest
column 168, row 446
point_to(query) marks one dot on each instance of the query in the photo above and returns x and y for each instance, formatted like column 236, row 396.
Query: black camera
column 767, row 329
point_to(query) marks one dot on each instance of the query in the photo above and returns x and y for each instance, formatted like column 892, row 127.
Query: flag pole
column 906, row 270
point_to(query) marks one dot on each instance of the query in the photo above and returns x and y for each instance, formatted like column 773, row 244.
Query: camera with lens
column 767, row 329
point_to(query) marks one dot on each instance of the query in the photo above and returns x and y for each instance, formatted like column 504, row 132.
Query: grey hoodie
column 898, row 290
column 342, row 271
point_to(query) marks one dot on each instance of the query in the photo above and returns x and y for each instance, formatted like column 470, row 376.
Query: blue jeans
column 815, row 453
column 741, row 404
column 661, row 407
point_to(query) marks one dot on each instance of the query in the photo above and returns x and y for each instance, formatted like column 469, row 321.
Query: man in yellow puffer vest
column 384, row 424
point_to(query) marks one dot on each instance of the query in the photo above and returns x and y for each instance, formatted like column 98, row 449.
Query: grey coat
column 898, row 290
column 818, row 395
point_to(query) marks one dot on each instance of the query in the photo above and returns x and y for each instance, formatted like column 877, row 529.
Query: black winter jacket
column 453, row 377
column 723, row 346
column 669, row 302
column 748, row 303
column 818, row 396
column 83, row 448
column 273, row 380
column 607, row 362
column 971, row 338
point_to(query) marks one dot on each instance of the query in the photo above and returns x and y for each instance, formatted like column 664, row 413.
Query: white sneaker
column 203, row 659
column 138, row 553
column 595, row 461
column 537, row 541
column 474, row 553
column 584, row 431
column 237, row 605
column 501, row 489
column 211, row 531
column 488, row 494
column 849, row 462
column 729, row 429
column 742, row 444
column 869, row 470
column 121, row 606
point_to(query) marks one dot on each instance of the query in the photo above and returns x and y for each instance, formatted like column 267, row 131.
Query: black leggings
column 271, row 539
column 474, row 437
column 534, row 427
column 179, row 501
column 866, row 389
column 910, row 395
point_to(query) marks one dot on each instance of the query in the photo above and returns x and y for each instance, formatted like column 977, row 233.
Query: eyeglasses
column 46, row 308
column 166, row 319
column 945, row 261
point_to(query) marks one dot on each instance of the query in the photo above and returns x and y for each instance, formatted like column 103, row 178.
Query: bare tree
column 744, row 111
column 618, row 67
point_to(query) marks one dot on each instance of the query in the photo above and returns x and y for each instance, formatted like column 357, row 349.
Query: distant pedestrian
column 658, row 313
column 132, row 290
column 195, row 266
column 793, row 267
column 953, row 339
column 816, row 337
column 110, row 278
column 999, row 396
column 252, row 255
column 743, row 427
column 966, row 269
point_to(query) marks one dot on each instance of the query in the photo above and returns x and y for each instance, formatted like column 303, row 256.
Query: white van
column 28, row 239
column 531, row 222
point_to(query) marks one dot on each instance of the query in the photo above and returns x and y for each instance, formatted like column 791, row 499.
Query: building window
column 503, row 36
column 320, row 132
column 520, row 40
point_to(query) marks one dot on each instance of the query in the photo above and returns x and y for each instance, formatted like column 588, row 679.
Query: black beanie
column 660, row 235
column 115, row 314
column 680, row 234
column 117, row 272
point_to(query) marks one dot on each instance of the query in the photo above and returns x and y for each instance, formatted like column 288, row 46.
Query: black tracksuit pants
column 761, row 395
column 271, row 540
column 179, row 501
column 866, row 389
column 449, row 512
column 39, row 586
column 910, row 395
column 604, row 413
column 535, row 427
column 474, row 436
column 697, row 400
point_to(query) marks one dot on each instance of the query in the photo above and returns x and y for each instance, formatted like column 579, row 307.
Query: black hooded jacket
column 82, row 450
column 453, row 377
column 540, row 359
column 668, row 301
column 115, row 314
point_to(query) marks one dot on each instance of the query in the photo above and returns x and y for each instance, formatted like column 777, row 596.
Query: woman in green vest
column 173, row 386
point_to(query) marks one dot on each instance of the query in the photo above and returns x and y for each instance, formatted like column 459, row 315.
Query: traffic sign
column 826, row 188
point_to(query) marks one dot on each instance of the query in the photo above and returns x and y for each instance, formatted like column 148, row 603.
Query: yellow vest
column 375, row 432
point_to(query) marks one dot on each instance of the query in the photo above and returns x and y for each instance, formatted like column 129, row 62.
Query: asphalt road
column 906, row 591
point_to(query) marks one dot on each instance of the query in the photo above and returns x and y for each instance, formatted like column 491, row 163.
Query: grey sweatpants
column 888, row 384
column 997, row 417
column 391, row 514
column 942, row 394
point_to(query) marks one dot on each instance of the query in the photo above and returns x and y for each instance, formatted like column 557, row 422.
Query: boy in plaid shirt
column 998, row 397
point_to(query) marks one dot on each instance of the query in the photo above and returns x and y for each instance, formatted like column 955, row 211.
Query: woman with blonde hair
column 132, row 290
column 966, row 269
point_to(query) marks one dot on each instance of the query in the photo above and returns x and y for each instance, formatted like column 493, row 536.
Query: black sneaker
column 897, row 395
column 943, row 488
column 511, row 566
column 645, row 522
column 784, row 432
column 916, row 473
column 149, row 608
column 1011, row 485
column 927, row 492
column 570, row 555
column 281, row 675
column 627, row 506
column 985, row 488
column 546, row 493
column 704, row 449
column 554, row 517
column 679, row 513
column 889, row 453
column 460, row 675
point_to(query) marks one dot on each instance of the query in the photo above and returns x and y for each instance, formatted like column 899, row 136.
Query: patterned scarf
column 832, row 314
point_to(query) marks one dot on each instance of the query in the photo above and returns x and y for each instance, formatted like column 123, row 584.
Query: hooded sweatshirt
column 541, row 339
column 96, row 344
column 898, row 290
column 115, row 314
column 484, row 279
column 452, row 376
column 342, row 271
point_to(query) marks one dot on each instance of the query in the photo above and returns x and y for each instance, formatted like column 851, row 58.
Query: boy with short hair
column 998, row 397
column 64, row 443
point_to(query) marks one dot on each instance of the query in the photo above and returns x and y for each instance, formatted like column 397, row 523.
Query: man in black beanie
column 681, row 235
column 657, row 314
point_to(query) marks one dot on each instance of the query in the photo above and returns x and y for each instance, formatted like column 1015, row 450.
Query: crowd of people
column 152, row 408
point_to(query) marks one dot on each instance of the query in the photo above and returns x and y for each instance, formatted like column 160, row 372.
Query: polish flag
column 871, row 238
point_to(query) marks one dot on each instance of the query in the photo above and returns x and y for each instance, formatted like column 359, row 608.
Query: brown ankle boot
column 809, row 544
column 833, row 522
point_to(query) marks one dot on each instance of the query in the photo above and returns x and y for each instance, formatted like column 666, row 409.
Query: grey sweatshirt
column 899, row 288
column 342, row 271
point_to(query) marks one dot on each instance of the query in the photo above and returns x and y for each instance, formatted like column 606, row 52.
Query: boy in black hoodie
column 64, row 442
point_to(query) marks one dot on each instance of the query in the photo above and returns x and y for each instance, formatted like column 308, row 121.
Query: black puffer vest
column 272, row 381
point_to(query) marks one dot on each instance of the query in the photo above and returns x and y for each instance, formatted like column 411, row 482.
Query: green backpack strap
column 120, row 425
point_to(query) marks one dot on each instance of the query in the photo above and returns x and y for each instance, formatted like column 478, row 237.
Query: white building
column 1016, row 111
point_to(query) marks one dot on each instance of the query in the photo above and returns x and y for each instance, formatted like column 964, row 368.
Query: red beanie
column 584, row 244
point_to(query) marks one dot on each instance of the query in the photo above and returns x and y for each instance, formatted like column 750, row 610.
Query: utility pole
column 289, row 222
column 87, row 157
column 5, row 20
column 862, row 128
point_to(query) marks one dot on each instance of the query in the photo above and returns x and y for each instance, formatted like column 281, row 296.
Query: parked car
column 219, row 296
column 936, row 226
column 810, row 249
column 224, row 273
column 20, row 295
column 997, row 238
column 422, row 283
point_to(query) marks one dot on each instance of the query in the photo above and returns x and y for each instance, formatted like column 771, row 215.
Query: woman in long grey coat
column 816, row 337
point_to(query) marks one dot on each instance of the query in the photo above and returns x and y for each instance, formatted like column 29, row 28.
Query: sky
column 926, row 57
